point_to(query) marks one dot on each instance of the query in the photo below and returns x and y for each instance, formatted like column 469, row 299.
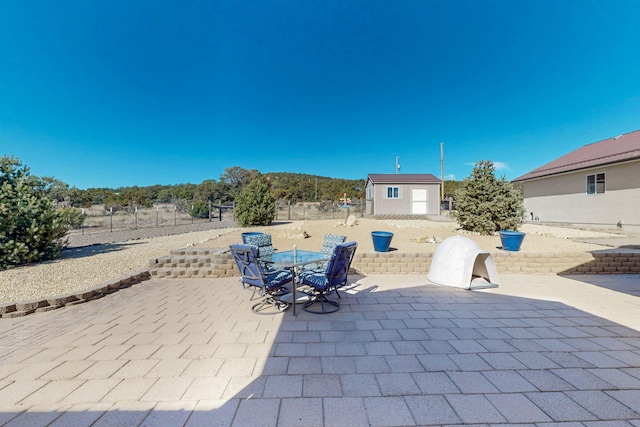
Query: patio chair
column 263, row 242
column 265, row 247
column 330, row 242
column 328, row 245
column 267, row 284
column 325, row 282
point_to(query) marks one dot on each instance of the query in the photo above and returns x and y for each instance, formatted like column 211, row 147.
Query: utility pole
column 442, row 167
column 397, row 165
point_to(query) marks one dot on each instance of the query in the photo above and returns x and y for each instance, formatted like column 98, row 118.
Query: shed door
column 419, row 201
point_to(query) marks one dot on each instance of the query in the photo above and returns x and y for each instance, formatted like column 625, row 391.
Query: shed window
column 595, row 183
column 393, row 193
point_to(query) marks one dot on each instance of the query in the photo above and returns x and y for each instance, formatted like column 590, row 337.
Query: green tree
column 255, row 205
column 72, row 217
column 485, row 204
column 30, row 229
column 235, row 179
column 200, row 209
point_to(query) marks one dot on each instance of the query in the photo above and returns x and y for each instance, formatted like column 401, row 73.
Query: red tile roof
column 403, row 178
column 613, row 150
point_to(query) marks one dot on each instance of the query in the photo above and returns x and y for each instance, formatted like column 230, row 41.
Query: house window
column 595, row 183
column 393, row 193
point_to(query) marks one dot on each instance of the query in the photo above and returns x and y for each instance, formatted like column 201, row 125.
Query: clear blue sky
column 121, row 93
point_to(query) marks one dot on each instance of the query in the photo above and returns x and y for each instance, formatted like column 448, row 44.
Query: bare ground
column 407, row 235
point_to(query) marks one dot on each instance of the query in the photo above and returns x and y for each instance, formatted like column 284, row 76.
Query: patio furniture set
column 280, row 279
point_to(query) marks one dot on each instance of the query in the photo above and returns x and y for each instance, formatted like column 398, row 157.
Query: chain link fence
column 98, row 219
column 328, row 209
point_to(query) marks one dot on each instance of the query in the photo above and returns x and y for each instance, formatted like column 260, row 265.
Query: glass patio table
column 293, row 260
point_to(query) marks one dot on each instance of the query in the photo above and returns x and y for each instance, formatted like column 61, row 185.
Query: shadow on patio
column 399, row 352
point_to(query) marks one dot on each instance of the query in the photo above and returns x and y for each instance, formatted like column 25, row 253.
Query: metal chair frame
column 333, row 277
column 266, row 284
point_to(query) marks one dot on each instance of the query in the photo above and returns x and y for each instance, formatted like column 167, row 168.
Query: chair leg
column 269, row 305
column 326, row 306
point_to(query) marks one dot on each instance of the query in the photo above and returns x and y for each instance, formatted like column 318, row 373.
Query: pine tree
column 255, row 205
column 30, row 229
column 485, row 204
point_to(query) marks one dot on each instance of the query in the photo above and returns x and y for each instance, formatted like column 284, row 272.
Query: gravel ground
column 93, row 259
column 96, row 258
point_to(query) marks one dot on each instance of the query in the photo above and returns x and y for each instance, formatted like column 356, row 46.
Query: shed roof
column 400, row 178
column 613, row 150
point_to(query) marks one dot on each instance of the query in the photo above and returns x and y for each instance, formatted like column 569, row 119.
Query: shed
column 403, row 194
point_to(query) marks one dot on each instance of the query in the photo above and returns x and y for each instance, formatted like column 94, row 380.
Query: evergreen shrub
column 486, row 204
column 255, row 205
column 30, row 228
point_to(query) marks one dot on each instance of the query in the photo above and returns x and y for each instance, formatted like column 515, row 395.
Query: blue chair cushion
column 278, row 278
column 264, row 244
column 316, row 280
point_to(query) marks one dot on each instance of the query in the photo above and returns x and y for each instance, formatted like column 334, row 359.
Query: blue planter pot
column 249, row 233
column 511, row 240
column 381, row 240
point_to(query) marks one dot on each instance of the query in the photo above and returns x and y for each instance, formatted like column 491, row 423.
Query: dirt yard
column 411, row 236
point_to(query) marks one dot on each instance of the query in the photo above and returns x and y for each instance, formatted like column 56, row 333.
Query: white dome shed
column 460, row 263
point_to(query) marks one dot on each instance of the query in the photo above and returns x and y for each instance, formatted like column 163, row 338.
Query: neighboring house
column 403, row 194
column 598, row 184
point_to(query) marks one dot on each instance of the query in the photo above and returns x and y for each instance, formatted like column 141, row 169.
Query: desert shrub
column 30, row 229
column 486, row 204
column 200, row 209
column 72, row 217
column 255, row 205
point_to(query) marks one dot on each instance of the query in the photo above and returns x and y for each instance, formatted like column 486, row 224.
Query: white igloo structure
column 460, row 263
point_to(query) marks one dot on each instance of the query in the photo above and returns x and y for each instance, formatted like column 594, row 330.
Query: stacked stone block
column 196, row 263
column 215, row 263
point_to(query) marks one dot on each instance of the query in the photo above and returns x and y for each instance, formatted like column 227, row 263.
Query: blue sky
column 122, row 93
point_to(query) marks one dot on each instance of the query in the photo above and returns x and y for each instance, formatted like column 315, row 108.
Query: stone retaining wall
column 215, row 263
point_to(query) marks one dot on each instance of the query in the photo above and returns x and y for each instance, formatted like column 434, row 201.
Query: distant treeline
column 291, row 187
column 285, row 186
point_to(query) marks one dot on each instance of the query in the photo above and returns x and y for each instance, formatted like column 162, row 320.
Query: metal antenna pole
column 442, row 167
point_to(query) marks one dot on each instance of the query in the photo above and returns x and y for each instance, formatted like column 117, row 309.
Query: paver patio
column 399, row 352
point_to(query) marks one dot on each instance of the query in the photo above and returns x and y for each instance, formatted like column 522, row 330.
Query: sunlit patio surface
column 538, row 349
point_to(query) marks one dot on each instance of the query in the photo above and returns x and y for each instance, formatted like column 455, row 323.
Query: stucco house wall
column 563, row 198
column 558, row 191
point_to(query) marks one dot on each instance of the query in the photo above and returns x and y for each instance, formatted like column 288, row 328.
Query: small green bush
column 30, row 229
column 200, row 209
column 72, row 217
column 255, row 205
column 485, row 204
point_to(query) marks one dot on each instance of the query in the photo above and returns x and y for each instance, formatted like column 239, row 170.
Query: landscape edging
column 23, row 308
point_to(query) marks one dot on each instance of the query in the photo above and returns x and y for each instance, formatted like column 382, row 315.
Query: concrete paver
column 401, row 351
